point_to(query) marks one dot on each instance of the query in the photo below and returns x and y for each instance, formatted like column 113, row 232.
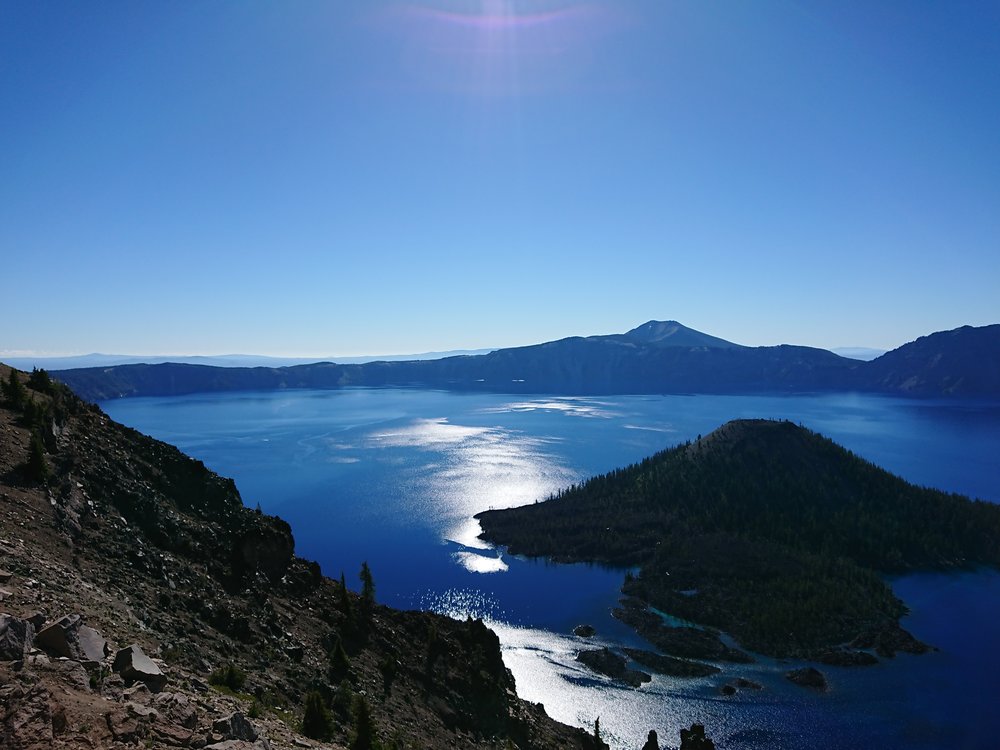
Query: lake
column 394, row 476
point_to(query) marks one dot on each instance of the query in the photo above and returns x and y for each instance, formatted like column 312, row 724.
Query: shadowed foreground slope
column 152, row 548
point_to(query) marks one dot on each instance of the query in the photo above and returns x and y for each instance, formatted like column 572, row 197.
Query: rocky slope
column 145, row 547
column 656, row 357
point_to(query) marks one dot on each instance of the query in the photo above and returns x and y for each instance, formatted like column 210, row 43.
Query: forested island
column 762, row 529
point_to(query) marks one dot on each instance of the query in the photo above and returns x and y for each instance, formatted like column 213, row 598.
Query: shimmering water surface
column 394, row 477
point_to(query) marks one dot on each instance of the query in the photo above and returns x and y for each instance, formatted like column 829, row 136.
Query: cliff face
column 151, row 548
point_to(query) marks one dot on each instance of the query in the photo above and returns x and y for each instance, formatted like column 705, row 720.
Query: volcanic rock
column 134, row 666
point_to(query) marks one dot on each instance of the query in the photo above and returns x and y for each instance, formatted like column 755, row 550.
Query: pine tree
column 40, row 381
column 37, row 467
column 364, row 728
column 345, row 600
column 367, row 587
column 13, row 390
column 340, row 665
column 316, row 722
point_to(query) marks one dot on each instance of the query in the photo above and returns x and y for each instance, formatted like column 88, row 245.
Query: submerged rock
column 609, row 663
column 670, row 665
column 809, row 677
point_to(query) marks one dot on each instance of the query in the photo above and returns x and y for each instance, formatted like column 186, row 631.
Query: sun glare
column 498, row 47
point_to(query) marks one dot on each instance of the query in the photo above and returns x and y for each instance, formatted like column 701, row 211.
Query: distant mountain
column 215, row 360
column 858, row 352
column 653, row 358
column 764, row 529
column 672, row 333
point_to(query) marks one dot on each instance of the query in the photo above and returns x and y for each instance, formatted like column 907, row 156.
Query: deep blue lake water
column 394, row 477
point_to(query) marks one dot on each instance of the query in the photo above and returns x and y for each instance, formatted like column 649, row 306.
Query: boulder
column 130, row 723
column 61, row 638
column 93, row 646
column 584, row 631
column 134, row 666
column 16, row 637
column 176, row 708
column 236, row 726
column 37, row 619
column 809, row 677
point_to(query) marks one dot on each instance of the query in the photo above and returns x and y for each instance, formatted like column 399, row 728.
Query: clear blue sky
column 373, row 177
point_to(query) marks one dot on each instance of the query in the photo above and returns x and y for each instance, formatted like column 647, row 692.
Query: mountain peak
column 672, row 333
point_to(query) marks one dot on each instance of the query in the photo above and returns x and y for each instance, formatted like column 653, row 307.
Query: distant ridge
column 78, row 361
column 656, row 357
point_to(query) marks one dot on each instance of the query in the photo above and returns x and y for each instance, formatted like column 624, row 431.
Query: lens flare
column 499, row 47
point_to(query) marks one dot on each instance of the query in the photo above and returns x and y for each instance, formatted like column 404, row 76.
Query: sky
column 360, row 177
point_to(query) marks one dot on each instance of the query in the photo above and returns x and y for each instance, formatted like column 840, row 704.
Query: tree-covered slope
column 765, row 529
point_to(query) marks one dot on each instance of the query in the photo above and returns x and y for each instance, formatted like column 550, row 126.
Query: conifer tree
column 40, row 381
column 364, row 728
column 37, row 467
column 367, row 587
column 340, row 665
column 316, row 723
column 13, row 390
column 345, row 600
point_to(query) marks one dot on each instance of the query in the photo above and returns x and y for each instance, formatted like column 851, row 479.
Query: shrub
column 229, row 676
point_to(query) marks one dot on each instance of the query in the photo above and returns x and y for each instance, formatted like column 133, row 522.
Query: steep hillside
column 153, row 549
column 764, row 529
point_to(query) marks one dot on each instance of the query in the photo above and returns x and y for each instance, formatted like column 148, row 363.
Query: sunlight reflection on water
column 546, row 671
column 474, row 469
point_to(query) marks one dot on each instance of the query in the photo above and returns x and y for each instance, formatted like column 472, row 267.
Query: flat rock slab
column 134, row 666
column 93, row 646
